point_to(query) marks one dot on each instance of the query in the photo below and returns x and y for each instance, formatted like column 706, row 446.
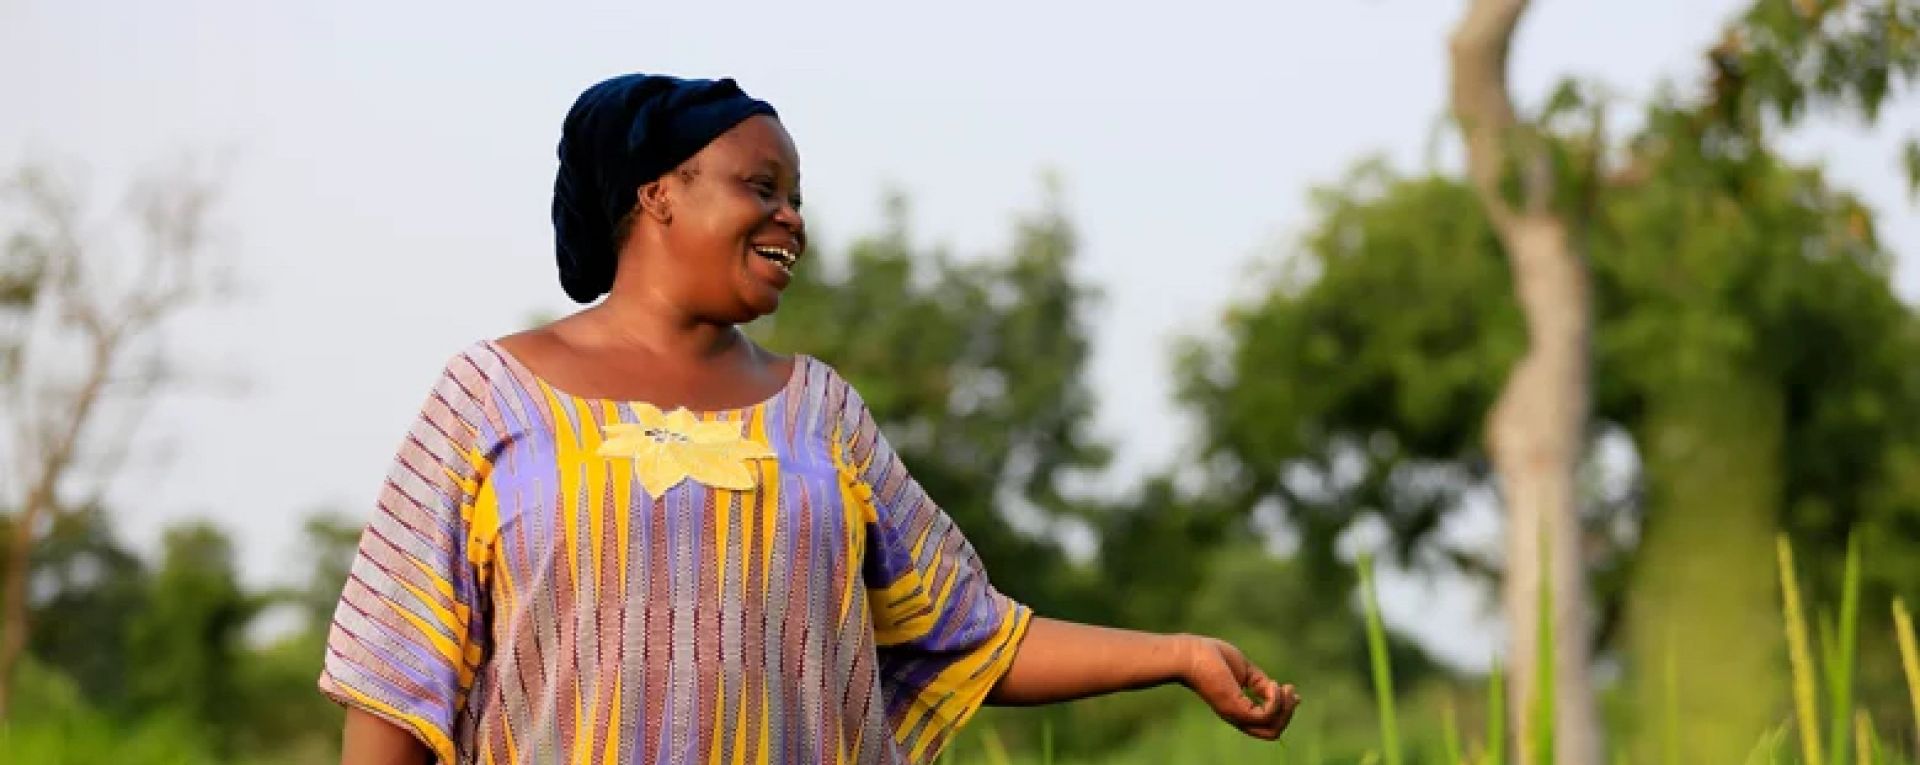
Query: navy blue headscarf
column 620, row 135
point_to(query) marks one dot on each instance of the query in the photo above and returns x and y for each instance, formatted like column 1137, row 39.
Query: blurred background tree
column 81, row 355
column 1748, row 344
column 1751, row 373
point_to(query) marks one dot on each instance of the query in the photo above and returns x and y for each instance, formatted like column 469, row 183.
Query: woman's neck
column 644, row 323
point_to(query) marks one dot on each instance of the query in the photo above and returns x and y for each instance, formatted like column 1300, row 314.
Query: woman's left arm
column 1062, row 661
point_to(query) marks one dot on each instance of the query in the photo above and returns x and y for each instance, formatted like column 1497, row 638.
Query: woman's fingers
column 1225, row 679
column 1221, row 684
column 1282, row 712
column 1275, row 708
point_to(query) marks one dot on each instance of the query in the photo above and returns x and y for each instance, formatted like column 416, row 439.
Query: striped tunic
column 518, row 598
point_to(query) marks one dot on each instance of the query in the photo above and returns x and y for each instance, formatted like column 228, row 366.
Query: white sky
column 391, row 165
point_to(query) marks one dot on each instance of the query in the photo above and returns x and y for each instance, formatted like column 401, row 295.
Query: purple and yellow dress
column 555, row 579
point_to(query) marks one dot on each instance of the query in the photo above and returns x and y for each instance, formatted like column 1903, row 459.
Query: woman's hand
column 1220, row 675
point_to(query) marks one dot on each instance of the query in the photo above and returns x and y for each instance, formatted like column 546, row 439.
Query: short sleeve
column 944, row 635
column 409, row 631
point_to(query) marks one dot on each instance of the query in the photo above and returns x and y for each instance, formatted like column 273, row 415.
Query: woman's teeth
column 781, row 256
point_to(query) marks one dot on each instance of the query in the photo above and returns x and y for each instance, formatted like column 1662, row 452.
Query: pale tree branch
column 73, row 414
column 1481, row 104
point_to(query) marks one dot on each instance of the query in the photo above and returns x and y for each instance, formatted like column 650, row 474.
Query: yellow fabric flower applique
column 669, row 448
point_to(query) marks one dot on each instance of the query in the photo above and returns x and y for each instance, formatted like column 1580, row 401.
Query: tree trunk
column 15, row 609
column 13, row 603
column 43, row 500
column 172, row 272
column 1704, row 623
column 1536, row 432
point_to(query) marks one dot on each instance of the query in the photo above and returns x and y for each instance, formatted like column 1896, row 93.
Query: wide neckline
column 520, row 368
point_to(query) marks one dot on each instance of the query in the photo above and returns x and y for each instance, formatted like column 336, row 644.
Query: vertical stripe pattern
column 517, row 598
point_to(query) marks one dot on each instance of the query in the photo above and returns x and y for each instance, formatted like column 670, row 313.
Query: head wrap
column 620, row 135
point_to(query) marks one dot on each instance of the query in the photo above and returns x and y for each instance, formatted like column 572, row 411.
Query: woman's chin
column 757, row 302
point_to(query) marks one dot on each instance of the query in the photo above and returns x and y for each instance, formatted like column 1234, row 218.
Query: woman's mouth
column 780, row 256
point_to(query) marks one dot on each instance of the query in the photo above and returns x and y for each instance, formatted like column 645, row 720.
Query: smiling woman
column 633, row 535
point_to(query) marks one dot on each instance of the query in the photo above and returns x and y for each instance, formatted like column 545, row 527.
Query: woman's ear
column 656, row 201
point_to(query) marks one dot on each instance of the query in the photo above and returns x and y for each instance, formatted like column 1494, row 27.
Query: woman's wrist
column 1184, row 651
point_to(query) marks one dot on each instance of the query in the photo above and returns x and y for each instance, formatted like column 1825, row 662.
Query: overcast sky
column 389, row 167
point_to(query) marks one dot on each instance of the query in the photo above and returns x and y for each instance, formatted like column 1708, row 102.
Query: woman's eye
column 764, row 187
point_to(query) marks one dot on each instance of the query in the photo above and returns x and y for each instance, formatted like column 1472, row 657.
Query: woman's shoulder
column 818, row 377
column 831, row 395
column 474, row 370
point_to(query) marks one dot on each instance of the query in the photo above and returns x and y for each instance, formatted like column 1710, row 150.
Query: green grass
column 1841, row 733
column 1909, row 660
column 1540, row 721
column 1827, row 724
column 1382, row 671
column 1838, row 660
column 1806, row 711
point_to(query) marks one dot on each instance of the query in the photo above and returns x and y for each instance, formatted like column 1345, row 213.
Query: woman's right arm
column 370, row 740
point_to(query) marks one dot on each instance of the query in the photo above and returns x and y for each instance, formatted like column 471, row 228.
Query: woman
column 635, row 536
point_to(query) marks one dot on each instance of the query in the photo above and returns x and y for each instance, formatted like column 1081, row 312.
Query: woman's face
column 732, row 232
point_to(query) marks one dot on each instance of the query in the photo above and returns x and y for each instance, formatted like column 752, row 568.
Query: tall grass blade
column 1805, row 710
column 1767, row 750
column 1496, row 716
column 1910, row 660
column 1840, row 658
column 1540, row 722
column 996, row 748
column 1671, row 718
column 1434, row 750
column 1382, row 673
column 1863, row 739
column 1451, row 733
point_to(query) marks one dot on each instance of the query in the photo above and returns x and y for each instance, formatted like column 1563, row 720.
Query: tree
column 1354, row 387
column 1537, row 429
column 80, row 353
column 1745, row 341
column 281, row 714
column 1762, row 388
column 1351, row 391
column 196, row 612
column 90, row 589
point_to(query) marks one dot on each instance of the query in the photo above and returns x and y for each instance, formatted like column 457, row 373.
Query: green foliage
column 1786, row 58
column 1356, row 384
column 89, row 584
column 194, row 616
column 56, row 725
column 1910, row 160
column 147, row 663
column 1747, row 341
column 1741, row 301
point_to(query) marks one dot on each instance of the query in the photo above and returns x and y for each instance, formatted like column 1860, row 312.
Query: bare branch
column 1481, row 104
column 81, row 297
